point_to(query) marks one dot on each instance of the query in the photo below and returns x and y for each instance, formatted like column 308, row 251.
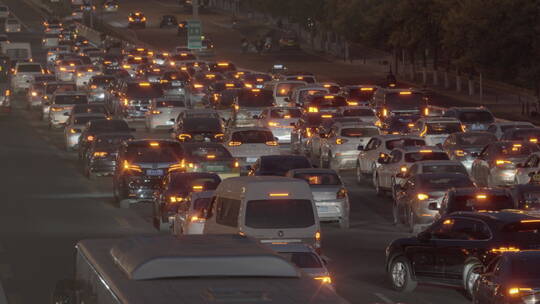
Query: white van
column 269, row 208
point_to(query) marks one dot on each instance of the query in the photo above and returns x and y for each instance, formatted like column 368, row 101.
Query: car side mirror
column 360, row 148
column 433, row 206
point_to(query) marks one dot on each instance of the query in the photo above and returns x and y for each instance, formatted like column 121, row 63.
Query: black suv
column 175, row 190
column 140, row 168
column 454, row 248
column 101, row 157
column 476, row 199
column 98, row 127
column 278, row 165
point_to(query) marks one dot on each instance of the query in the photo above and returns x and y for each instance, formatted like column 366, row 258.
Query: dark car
column 101, row 157
column 199, row 129
column 324, row 103
column 452, row 249
column 89, row 108
column 465, row 146
column 175, row 190
column 134, row 99
column 510, row 278
column 278, row 165
column 400, row 123
column 530, row 135
column 141, row 167
column 475, row 199
column 473, row 118
column 527, row 197
column 305, row 128
column 209, row 157
column 168, row 21
column 136, row 19
column 97, row 127
column 221, row 67
column 415, row 200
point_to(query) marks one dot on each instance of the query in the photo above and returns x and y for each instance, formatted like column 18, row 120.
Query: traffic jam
column 221, row 150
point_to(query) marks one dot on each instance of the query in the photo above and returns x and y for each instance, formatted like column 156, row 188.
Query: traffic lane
column 227, row 43
column 358, row 254
column 47, row 207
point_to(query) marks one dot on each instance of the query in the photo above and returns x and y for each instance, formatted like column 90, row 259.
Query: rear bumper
column 332, row 210
column 105, row 167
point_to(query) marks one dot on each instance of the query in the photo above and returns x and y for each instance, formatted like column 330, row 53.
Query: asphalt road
column 47, row 204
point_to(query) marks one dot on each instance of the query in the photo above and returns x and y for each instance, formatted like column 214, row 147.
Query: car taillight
column 340, row 141
column 324, row 279
column 129, row 167
column 422, row 196
column 184, row 136
column 459, row 153
column 234, row 143
column 100, row 154
column 272, row 143
column 236, row 164
column 342, row 193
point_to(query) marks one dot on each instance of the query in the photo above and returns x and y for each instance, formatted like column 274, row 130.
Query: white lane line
column 3, row 299
column 384, row 298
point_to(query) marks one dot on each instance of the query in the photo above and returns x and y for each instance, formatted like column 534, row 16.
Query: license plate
column 215, row 168
column 251, row 159
column 176, row 83
column 156, row 172
column 322, row 208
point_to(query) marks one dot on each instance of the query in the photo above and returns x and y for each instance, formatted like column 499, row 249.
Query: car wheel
column 400, row 275
column 470, row 276
column 359, row 174
column 378, row 189
column 344, row 223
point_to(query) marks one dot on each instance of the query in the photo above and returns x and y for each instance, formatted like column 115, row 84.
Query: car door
column 403, row 197
column 326, row 142
column 461, row 237
column 365, row 165
column 389, row 169
column 426, row 266
column 478, row 167
column 530, row 165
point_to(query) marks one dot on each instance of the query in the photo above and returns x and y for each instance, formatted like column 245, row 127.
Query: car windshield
column 170, row 103
column 302, row 259
column 446, row 182
column 201, row 125
column 361, row 94
column 70, row 99
column 281, row 165
column 208, row 153
column 404, row 100
column 359, row 132
column 359, row 112
column 29, row 68
column 468, row 139
column 284, row 89
column 84, row 120
column 144, row 90
column 445, row 168
column 509, row 127
column 319, row 179
column 109, row 126
column 252, row 137
column 434, row 128
column 515, row 149
column 404, row 142
column 101, row 80
column 68, row 87
column 144, row 153
column 285, row 113
column 255, row 98
column 525, row 134
column 111, row 141
column 279, row 214
column 201, row 203
column 481, row 201
column 419, row 156
column 476, row 117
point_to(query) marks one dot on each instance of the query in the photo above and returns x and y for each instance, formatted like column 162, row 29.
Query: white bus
column 186, row 269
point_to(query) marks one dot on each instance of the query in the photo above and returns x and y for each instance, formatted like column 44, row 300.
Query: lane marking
column 3, row 299
column 384, row 298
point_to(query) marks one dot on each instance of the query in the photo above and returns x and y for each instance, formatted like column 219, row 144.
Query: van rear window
column 279, row 214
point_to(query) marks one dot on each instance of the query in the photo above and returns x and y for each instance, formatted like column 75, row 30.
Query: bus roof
column 199, row 269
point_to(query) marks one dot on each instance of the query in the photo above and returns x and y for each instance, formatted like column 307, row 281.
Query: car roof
column 193, row 174
column 238, row 129
column 473, row 133
column 201, row 144
column 360, row 124
column 145, row 141
column 438, row 162
column 469, row 109
column 70, row 93
column 313, row 170
column 397, row 136
column 473, row 190
column 439, row 119
column 284, row 156
column 499, row 216
column 419, row 148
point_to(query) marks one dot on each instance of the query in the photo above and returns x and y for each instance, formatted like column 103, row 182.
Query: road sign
column 194, row 29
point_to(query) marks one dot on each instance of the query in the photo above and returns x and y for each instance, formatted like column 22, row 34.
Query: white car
column 399, row 160
column 247, row 144
column 381, row 145
column 12, row 26
column 299, row 94
column 430, row 166
column 339, row 148
column 280, row 121
column 189, row 218
column 74, row 126
column 435, row 130
column 365, row 114
column 525, row 171
column 498, row 128
column 83, row 74
column 162, row 112
column 283, row 88
column 61, row 105
column 23, row 75
column 65, row 69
